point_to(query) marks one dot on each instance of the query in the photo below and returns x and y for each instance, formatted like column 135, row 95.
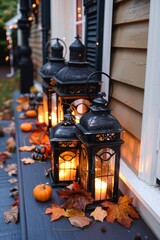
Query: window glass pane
column 79, row 30
column 79, row 10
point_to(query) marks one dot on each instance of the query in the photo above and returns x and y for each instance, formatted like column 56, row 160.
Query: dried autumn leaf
column 77, row 199
column 27, row 148
column 55, row 211
column 2, row 161
column 11, row 144
column 99, row 214
column 5, row 154
column 11, row 169
column 121, row 211
column 73, row 212
column 27, row 160
column 11, row 215
column 16, row 202
column 41, row 138
column 80, row 221
column 13, row 180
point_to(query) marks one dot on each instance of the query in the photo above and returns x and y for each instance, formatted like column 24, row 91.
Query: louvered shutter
column 94, row 16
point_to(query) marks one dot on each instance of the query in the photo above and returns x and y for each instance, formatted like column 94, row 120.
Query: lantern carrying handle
column 110, row 84
column 58, row 39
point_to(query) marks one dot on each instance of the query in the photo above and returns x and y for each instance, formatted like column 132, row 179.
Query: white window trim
column 145, row 197
column 151, row 109
column 107, row 43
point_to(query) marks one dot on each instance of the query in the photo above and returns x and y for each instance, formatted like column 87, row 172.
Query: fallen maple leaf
column 11, row 215
column 11, row 144
column 99, row 214
column 56, row 212
column 13, row 180
column 77, row 199
column 121, row 211
column 80, row 221
column 73, row 212
column 5, row 154
column 27, row 148
column 27, row 160
column 2, row 161
column 11, row 169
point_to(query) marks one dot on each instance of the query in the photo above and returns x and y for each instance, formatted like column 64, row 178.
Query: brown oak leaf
column 11, row 215
column 2, row 161
column 27, row 160
column 80, row 221
column 55, row 211
column 99, row 214
column 73, row 212
column 123, row 211
column 27, row 148
column 77, row 199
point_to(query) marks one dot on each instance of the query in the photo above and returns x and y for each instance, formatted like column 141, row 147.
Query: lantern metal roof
column 77, row 69
column 99, row 120
column 55, row 62
column 64, row 131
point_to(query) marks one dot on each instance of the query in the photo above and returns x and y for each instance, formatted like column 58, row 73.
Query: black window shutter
column 94, row 17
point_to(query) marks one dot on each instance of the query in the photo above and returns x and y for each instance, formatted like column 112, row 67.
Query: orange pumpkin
column 42, row 192
column 26, row 127
column 31, row 113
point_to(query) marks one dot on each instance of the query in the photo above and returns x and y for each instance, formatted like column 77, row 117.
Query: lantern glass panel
column 104, row 174
column 45, row 108
column 84, row 167
column 54, row 109
column 79, row 107
column 68, row 162
column 40, row 114
column 60, row 112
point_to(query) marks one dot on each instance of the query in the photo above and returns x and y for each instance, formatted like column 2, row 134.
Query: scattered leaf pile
column 12, row 214
column 77, row 199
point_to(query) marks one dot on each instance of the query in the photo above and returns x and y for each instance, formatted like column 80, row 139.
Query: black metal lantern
column 47, row 72
column 99, row 133
column 73, row 88
column 65, row 151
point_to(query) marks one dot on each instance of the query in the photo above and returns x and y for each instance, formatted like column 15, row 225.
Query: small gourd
column 42, row 192
column 31, row 113
column 26, row 127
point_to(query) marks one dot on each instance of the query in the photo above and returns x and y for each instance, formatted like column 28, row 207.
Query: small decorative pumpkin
column 40, row 149
column 38, row 156
column 31, row 113
column 26, row 127
column 42, row 192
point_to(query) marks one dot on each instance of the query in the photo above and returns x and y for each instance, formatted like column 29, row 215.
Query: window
column 79, row 20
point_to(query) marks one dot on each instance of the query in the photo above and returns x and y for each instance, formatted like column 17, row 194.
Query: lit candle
column 40, row 114
column 54, row 119
column 67, row 171
column 100, row 189
column 46, row 117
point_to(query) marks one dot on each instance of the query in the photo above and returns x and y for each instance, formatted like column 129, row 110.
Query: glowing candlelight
column 54, row 119
column 100, row 189
column 67, row 171
column 40, row 114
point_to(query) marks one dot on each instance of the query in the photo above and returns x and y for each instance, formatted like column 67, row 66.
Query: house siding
column 128, row 68
column 36, row 45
